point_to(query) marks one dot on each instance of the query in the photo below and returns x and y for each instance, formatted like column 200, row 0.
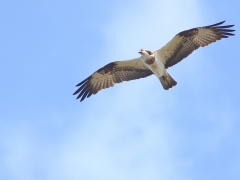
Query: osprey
column 153, row 62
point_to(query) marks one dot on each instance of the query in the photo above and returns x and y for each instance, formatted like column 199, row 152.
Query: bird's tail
column 167, row 81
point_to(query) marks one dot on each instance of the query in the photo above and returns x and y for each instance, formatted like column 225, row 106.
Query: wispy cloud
column 135, row 130
column 133, row 138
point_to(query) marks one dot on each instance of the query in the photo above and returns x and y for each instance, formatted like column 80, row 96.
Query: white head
column 145, row 53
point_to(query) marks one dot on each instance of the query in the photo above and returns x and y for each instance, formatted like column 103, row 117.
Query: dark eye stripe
column 149, row 52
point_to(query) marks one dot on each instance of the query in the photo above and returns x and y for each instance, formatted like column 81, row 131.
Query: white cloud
column 132, row 138
column 123, row 132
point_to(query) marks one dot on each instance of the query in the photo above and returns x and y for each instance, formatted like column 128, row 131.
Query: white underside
column 157, row 68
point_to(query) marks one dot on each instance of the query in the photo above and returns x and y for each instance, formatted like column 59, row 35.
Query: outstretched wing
column 107, row 76
column 185, row 42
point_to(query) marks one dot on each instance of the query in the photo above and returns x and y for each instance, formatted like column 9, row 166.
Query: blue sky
column 135, row 130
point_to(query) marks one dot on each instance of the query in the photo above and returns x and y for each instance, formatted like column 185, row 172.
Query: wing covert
column 185, row 42
column 107, row 76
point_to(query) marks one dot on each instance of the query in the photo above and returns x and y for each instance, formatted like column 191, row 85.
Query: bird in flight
column 153, row 62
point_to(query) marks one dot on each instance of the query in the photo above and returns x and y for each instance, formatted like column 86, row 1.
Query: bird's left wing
column 107, row 76
column 185, row 42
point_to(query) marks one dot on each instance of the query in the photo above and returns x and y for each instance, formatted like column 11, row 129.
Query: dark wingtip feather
column 229, row 34
column 227, row 26
column 226, row 30
column 223, row 30
column 79, row 84
column 80, row 88
column 224, row 36
column 84, row 95
column 217, row 24
column 89, row 94
column 84, row 90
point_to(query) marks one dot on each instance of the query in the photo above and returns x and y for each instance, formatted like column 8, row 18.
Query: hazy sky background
column 136, row 130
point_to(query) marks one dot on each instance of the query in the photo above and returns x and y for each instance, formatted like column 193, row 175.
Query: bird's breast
column 150, row 60
column 157, row 68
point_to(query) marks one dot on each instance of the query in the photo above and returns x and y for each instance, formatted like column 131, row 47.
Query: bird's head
column 145, row 52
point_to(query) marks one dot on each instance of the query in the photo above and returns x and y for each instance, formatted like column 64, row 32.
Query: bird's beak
column 140, row 52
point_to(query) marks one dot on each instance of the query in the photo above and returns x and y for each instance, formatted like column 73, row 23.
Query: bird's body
column 153, row 62
column 150, row 61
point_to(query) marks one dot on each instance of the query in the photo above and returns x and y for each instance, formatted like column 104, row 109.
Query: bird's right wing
column 114, row 72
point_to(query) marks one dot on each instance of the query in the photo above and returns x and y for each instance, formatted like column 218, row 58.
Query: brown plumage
column 107, row 76
column 185, row 42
